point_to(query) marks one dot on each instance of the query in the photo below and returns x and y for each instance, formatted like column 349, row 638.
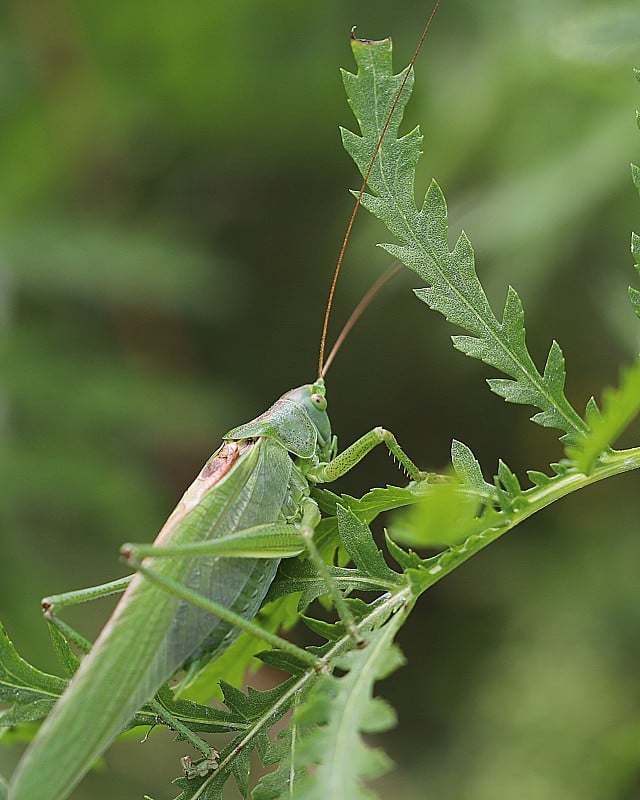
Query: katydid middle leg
column 51, row 604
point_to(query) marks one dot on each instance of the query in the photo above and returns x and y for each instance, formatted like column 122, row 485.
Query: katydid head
column 299, row 420
column 311, row 398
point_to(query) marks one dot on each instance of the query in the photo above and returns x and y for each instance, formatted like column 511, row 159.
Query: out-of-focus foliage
column 171, row 202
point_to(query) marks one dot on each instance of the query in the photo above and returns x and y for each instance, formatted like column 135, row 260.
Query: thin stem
column 538, row 498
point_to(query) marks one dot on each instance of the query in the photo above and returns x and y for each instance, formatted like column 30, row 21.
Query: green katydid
column 206, row 575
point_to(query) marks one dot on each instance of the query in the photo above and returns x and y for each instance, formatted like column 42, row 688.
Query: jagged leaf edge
column 339, row 710
column 619, row 408
column 454, row 288
column 30, row 692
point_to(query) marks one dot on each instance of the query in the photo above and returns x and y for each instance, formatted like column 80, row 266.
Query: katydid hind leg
column 176, row 725
column 263, row 542
column 227, row 615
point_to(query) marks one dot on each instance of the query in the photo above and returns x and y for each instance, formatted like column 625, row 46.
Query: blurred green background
column 172, row 197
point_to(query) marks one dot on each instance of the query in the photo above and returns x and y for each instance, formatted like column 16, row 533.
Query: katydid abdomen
column 152, row 634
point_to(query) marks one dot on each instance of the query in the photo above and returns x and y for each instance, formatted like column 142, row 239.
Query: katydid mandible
column 206, row 574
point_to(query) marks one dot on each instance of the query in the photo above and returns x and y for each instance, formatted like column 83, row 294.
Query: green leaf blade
column 358, row 542
column 620, row 406
column 453, row 286
column 338, row 712
column 30, row 692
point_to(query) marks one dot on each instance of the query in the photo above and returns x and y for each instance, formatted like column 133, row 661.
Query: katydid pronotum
column 205, row 576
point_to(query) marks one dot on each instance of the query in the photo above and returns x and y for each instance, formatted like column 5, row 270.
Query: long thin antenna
column 363, row 186
column 358, row 311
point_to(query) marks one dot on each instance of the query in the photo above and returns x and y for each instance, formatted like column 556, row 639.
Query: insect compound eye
column 319, row 401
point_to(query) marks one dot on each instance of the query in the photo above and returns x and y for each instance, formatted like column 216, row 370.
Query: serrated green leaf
column 283, row 660
column 300, row 575
column 539, row 479
column 340, row 710
column 275, row 784
column 30, row 692
column 377, row 501
column 508, row 479
column 66, row 657
column 283, row 781
column 591, row 407
column 331, row 631
column 508, row 486
column 405, row 559
column 358, row 542
column 233, row 698
column 635, row 245
column 260, row 709
column 468, row 470
column 326, row 500
column 635, row 175
column 634, row 297
column 561, row 468
column 454, row 289
column 240, row 768
column 620, row 407
column 378, row 717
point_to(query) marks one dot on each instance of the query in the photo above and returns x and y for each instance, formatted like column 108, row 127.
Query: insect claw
column 126, row 552
column 151, row 727
column 48, row 608
column 128, row 555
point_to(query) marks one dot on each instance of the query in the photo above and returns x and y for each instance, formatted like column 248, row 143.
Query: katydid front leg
column 347, row 459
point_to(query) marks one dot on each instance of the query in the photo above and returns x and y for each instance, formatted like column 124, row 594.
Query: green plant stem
column 610, row 464
column 401, row 600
